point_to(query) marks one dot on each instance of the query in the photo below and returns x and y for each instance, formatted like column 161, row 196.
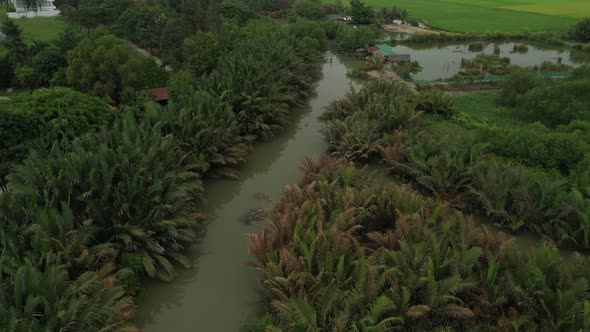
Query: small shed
column 160, row 95
column 395, row 58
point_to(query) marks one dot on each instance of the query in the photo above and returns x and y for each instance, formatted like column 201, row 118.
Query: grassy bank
column 503, row 15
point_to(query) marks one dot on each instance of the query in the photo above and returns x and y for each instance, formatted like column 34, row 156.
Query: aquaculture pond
column 444, row 61
column 220, row 292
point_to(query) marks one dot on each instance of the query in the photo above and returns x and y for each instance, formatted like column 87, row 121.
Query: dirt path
column 147, row 54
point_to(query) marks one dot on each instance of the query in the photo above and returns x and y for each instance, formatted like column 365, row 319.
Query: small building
column 396, row 58
column 398, row 22
column 38, row 8
column 30, row 9
column 160, row 95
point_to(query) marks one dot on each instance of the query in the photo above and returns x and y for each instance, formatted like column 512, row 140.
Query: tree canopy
column 104, row 65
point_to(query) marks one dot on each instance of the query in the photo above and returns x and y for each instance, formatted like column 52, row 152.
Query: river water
column 220, row 293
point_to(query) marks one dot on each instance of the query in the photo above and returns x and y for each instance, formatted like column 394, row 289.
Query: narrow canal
column 220, row 293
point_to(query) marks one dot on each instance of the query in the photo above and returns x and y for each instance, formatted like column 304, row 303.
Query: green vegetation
column 539, row 174
column 104, row 66
column 483, row 107
column 43, row 29
column 465, row 16
column 98, row 200
column 47, row 115
column 342, row 253
column 94, row 199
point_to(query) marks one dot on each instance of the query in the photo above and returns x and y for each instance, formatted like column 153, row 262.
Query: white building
column 36, row 8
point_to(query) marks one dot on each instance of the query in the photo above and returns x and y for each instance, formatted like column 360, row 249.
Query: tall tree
column 103, row 65
column 360, row 12
column 200, row 52
column 581, row 31
column 13, row 42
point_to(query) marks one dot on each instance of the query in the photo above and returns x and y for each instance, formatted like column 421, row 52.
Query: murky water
column 220, row 293
column 444, row 60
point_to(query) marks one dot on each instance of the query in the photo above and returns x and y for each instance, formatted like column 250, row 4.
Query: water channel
column 220, row 293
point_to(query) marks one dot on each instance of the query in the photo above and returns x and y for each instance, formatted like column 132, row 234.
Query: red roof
column 160, row 94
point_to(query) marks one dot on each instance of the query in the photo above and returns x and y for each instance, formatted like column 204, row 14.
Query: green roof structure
column 385, row 50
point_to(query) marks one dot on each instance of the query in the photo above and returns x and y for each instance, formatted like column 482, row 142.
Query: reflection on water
column 219, row 293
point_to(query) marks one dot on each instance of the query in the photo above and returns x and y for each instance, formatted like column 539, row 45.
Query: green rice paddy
column 507, row 16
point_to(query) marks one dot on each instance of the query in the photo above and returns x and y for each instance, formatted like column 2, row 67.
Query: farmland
column 507, row 16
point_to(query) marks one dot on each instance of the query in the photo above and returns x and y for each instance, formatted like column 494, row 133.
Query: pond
column 444, row 61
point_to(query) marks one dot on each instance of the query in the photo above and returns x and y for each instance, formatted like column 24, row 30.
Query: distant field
column 40, row 28
column 493, row 15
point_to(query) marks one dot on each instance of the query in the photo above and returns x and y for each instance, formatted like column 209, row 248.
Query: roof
column 399, row 58
column 335, row 17
column 385, row 49
column 159, row 94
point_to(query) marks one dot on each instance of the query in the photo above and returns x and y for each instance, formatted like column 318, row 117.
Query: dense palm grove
column 99, row 200
column 344, row 253
column 532, row 177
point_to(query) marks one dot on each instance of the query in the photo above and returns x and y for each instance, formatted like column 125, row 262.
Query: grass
column 39, row 28
column 488, row 16
column 482, row 106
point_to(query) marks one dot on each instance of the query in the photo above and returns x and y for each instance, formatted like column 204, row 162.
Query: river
column 220, row 293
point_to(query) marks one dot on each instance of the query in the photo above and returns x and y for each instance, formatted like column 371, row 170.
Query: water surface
column 444, row 61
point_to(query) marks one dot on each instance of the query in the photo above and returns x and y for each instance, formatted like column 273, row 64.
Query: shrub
column 515, row 85
column 557, row 104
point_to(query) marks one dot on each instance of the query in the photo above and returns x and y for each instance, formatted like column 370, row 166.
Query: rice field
column 507, row 16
